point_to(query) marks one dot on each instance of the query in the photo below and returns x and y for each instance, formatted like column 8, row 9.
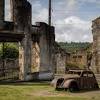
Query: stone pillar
column 44, row 49
column 22, row 24
column 25, row 52
column 96, row 45
column 46, row 41
column 51, row 41
column 2, row 7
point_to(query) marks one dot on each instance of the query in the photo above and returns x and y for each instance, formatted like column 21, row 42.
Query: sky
column 72, row 18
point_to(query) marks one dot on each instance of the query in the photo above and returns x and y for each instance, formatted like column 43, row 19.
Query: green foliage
column 71, row 66
column 9, row 50
column 74, row 66
column 74, row 46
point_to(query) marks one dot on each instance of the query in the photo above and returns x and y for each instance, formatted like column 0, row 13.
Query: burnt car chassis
column 76, row 80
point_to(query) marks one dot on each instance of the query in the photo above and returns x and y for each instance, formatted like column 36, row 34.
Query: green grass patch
column 36, row 91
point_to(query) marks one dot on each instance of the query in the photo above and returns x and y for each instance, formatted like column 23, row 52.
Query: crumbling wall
column 79, row 59
column 96, row 45
column 60, row 63
column 61, row 57
column 43, row 47
column 35, row 57
column 44, row 56
column 44, row 42
column 21, row 14
column 22, row 24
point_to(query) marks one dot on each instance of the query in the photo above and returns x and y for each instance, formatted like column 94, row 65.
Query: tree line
column 74, row 46
column 10, row 50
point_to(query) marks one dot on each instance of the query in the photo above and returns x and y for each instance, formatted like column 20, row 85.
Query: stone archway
column 20, row 31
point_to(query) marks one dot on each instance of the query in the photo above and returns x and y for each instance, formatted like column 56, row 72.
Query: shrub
column 10, row 50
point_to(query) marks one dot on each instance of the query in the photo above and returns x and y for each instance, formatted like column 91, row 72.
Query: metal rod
column 3, row 49
column 49, row 16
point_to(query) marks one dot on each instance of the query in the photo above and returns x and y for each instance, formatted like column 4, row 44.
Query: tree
column 10, row 50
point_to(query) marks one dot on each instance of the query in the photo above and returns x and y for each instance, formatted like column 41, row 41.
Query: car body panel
column 84, row 79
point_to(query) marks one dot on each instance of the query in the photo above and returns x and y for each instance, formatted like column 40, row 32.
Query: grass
column 39, row 91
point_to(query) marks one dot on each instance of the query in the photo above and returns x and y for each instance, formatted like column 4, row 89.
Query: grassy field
column 42, row 91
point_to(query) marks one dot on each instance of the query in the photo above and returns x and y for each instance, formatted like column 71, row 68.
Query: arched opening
column 9, row 68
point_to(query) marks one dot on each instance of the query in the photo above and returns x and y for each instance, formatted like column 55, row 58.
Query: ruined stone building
column 96, row 45
column 39, row 55
column 35, row 41
column 79, row 58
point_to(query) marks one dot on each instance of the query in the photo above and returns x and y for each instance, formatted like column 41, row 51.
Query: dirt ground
column 52, row 93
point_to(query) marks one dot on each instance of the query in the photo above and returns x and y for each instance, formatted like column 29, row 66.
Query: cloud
column 91, row 1
column 77, row 23
column 69, row 26
column 63, row 7
column 73, row 29
column 39, row 13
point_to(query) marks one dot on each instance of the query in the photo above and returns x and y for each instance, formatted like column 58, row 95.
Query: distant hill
column 73, row 46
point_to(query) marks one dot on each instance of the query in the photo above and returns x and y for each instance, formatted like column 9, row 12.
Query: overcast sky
column 71, row 18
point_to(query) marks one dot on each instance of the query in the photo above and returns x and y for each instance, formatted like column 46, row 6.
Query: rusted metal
column 76, row 80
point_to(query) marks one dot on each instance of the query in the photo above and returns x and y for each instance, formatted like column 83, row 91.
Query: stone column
column 25, row 52
column 46, row 41
column 2, row 7
column 44, row 48
column 96, row 45
column 22, row 24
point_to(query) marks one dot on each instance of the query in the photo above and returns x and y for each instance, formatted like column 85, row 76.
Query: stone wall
column 43, row 48
column 36, row 46
column 79, row 59
column 35, row 57
column 61, row 59
column 96, row 45
column 9, row 63
column 60, row 63
column 22, row 24
column 9, row 69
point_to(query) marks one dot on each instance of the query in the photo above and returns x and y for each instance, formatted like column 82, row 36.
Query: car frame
column 76, row 80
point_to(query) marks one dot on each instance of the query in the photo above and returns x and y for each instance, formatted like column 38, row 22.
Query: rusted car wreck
column 76, row 80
